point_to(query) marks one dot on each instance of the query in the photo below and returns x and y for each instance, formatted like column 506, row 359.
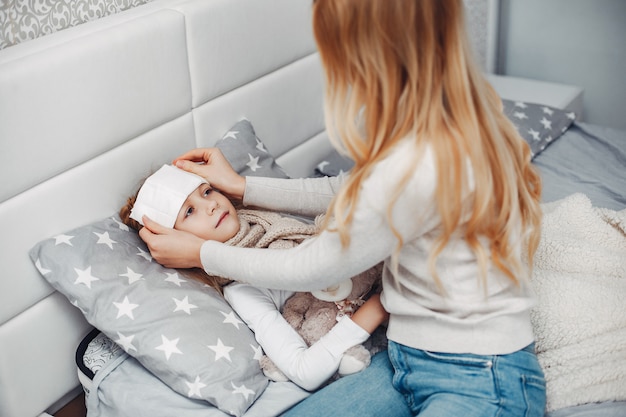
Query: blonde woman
column 442, row 191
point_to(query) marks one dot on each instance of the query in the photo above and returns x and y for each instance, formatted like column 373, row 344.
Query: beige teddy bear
column 314, row 314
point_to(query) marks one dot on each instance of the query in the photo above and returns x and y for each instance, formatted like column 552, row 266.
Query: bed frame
column 86, row 112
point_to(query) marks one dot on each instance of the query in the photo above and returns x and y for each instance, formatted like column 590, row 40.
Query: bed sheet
column 589, row 159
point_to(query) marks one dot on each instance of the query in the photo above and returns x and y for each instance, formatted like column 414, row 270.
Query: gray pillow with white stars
column 247, row 153
column 538, row 124
column 181, row 330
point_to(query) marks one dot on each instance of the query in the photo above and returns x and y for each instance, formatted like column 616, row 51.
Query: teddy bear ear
column 335, row 293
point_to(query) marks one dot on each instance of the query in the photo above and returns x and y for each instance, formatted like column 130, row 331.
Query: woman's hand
column 211, row 164
column 171, row 248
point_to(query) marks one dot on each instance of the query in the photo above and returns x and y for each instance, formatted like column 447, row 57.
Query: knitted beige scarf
column 266, row 229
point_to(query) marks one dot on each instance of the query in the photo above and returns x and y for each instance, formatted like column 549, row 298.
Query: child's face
column 208, row 214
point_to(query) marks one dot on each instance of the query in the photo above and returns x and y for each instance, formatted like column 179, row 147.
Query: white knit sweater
column 463, row 321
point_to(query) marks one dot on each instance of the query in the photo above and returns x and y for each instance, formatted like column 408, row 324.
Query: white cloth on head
column 163, row 194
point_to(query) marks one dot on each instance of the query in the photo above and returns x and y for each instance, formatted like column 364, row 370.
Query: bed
column 87, row 112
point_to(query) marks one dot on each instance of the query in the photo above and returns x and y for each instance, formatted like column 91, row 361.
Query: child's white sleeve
column 308, row 367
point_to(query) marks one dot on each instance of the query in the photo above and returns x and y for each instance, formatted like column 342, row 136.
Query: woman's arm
column 308, row 197
column 303, row 196
column 322, row 261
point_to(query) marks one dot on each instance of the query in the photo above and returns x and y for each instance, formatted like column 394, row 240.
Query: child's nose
column 211, row 206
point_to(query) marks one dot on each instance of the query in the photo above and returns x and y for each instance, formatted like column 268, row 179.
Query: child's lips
column 222, row 217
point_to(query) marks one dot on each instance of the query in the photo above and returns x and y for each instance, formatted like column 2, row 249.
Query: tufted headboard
column 86, row 112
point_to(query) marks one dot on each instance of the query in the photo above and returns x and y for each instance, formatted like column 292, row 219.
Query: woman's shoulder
column 404, row 166
column 407, row 158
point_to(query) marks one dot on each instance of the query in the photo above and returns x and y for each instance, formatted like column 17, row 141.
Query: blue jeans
column 366, row 393
column 444, row 384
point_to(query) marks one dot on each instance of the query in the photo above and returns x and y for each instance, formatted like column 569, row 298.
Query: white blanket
column 579, row 277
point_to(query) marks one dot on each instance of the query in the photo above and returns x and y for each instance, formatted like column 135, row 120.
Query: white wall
column 580, row 42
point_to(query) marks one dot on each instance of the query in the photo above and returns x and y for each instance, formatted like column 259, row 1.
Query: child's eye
column 189, row 212
column 207, row 191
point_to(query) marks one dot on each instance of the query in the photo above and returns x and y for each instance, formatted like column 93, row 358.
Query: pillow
column 538, row 124
column 182, row 331
column 247, row 154
column 333, row 164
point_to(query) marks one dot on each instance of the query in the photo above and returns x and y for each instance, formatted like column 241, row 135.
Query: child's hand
column 211, row 164
column 171, row 248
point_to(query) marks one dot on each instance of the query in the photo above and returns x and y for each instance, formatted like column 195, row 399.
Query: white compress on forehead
column 163, row 194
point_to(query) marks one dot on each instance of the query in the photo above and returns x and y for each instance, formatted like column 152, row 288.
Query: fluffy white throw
column 579, row 278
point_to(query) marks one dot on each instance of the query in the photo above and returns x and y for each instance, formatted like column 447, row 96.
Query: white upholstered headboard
column 87, row 112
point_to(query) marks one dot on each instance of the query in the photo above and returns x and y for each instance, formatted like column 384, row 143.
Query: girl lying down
column 184, row 201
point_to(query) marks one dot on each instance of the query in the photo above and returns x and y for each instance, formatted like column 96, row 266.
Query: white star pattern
column 520, row 104
column 132, row 276
column 258, row 352
column 126, row 342
column 104, row 239
column 85, row 277
column 231, row 134
column 125, row 308
column 221, row 350
column 260, row 146
column 195, row 387
column 253, row 163
column 174, row 278
column 41, row 269
column 75, row 304
column 534, row 134
column 547, row 110
column 571, row 115
column 63, row 239
column 169, row 347
column 242, row 389
column 121, row 225
column 520, row 115
column 183, row 305
column 232, row 319
column 547, row 124
column 322, row 165
column 144, row 254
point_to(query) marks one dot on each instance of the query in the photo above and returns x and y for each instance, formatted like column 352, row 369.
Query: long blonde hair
column 404, row 68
